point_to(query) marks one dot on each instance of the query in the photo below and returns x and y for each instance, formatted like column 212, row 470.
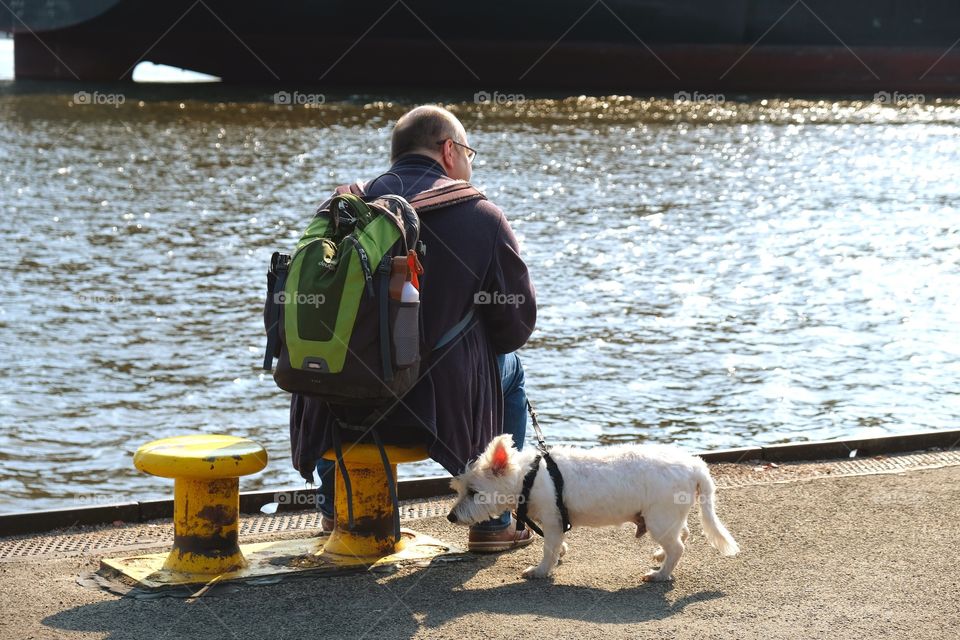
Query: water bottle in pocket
column 406, row 327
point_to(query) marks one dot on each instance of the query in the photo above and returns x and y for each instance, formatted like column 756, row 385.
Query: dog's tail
column 717, row 534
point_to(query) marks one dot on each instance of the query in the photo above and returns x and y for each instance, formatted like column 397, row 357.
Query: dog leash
column 541, row 443
column 531, row 476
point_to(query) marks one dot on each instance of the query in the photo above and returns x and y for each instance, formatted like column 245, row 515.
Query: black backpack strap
column 384, row 319
column 391, row 483
column 367, row 425
column 466, row 323
column 338, row 450
column 276, row 281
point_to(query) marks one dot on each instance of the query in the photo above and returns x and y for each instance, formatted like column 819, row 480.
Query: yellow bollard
column 206, row 516
column 372, row 535
column 206, row 497
column 206, row 472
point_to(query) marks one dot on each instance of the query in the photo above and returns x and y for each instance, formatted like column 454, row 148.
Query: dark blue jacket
column 456, row 407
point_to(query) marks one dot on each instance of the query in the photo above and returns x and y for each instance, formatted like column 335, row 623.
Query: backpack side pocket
column 406, row 333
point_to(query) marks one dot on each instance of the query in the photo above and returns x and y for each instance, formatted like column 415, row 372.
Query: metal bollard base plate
column 278, row 558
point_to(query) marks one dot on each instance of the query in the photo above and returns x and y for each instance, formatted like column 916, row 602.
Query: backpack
column 337, row 318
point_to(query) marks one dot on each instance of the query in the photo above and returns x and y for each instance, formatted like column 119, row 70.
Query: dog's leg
column 666, row 527
column 672, row 549
column 553, row 548
column 659, row 554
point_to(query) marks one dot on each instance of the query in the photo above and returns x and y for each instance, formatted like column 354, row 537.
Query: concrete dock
column 863, row 548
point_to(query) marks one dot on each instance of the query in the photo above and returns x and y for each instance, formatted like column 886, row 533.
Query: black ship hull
column 838, row 46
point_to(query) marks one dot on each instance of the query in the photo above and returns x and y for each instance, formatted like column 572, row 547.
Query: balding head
column 420, row 129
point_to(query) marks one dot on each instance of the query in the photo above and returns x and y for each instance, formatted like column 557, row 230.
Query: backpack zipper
column 364, row 264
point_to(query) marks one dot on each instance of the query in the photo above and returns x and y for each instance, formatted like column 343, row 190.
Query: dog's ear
column 500, row 457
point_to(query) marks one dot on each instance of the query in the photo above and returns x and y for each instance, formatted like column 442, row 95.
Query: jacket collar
column 418, row 161
column 416, row 172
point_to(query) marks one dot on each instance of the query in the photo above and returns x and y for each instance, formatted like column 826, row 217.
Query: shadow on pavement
column 376, row 605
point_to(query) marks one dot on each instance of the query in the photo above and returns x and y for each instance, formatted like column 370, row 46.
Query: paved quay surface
column 825, row 555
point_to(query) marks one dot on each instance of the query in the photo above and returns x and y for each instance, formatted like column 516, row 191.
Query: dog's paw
column 656, row 576
column 659, row 554
column 563, row 549
column 535, row 573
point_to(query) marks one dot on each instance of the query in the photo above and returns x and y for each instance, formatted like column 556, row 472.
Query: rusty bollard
column 206, row 497
column 372, row 536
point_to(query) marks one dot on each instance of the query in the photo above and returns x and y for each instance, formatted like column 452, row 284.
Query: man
column 467, row 394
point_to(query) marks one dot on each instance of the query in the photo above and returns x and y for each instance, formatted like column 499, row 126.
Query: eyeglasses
column 471, row 153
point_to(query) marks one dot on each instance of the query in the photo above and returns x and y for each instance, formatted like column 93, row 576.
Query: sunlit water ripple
column 713, row 276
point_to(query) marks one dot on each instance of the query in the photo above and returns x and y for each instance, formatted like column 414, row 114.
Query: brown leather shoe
column 326, row 524
column 480, row 541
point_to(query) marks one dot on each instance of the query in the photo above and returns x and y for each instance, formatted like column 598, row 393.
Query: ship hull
column 600, row 50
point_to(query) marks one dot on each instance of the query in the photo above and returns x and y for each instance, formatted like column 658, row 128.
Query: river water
column 712, row 275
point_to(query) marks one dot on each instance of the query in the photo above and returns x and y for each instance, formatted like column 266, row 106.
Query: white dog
column 653, row 486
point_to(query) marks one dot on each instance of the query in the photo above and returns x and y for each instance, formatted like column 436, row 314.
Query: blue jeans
column 514, row 423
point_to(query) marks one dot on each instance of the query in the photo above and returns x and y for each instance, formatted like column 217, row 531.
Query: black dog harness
column 528, row 480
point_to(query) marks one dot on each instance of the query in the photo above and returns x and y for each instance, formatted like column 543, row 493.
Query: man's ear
column 446, row 153
column 500, row 457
